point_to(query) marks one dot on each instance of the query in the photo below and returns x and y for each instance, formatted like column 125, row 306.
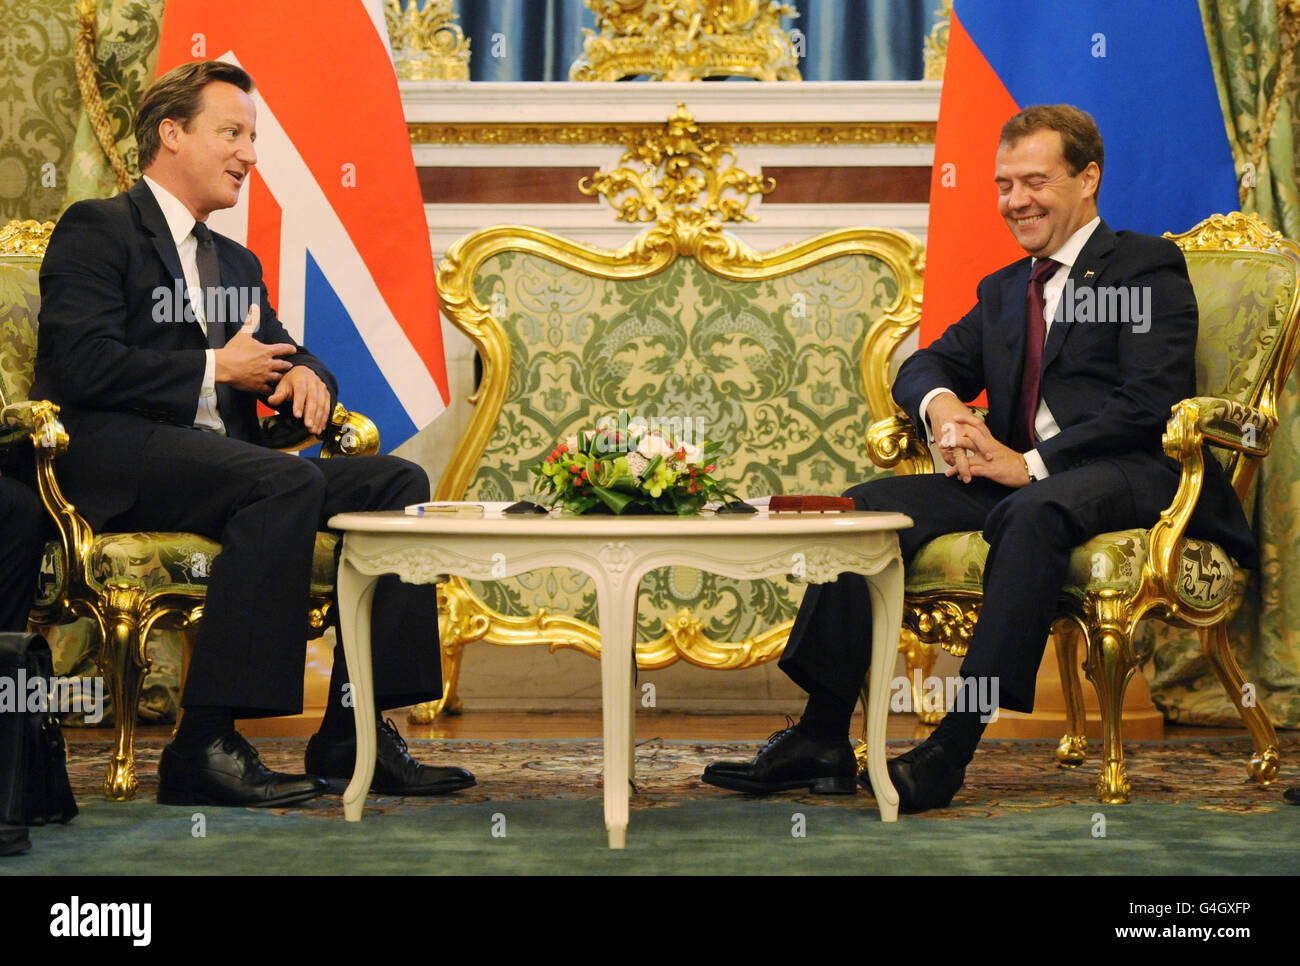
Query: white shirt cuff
column 1036, row 465
column 925, row 404
column 209, row 374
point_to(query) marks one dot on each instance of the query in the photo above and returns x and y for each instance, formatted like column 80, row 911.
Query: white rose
column 693, row 454
column 654, row 445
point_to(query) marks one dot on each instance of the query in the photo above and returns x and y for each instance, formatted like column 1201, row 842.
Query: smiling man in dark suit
column 1077, row 402
column 158, row 340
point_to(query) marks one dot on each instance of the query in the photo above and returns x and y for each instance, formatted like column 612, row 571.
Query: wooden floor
column 496, row 725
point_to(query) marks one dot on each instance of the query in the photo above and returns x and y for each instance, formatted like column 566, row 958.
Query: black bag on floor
column 34, row 785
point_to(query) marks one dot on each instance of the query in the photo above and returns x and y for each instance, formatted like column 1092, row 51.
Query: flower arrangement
column 629, row 469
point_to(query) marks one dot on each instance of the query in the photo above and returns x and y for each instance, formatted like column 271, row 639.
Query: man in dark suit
column 145, row 343
column 22, row 520
column 1071, row 448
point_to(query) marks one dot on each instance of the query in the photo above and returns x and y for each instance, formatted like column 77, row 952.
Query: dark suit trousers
column 22, row 529
column 1030, row 532
column 265, row 508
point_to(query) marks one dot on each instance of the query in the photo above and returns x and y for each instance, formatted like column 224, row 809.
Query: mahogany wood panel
column 496, row 186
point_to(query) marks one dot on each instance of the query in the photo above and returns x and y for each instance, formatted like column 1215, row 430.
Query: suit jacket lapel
column 155, row 225
column 1087, row 269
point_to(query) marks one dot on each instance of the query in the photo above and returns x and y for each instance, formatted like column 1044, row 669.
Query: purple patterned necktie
column 1023, row 428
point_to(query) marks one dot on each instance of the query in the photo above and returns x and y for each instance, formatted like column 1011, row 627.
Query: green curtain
column 38, row 106
column 126, row 55
column 1245, row 49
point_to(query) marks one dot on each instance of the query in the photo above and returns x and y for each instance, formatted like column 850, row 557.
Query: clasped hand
column 968, row 447
column 256, row 367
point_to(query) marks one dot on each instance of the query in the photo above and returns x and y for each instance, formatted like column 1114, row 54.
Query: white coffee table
column 616, row 552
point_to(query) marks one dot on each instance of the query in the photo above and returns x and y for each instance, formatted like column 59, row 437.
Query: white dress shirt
column 181, row 225
column 1044, row 422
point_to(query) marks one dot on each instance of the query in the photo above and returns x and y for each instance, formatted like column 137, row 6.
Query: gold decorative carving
column 350, row 434
column 893, row 442
column 25, row 237
column 936, row 44
column 687, row 178
column 944, row 619
column 812, row 132
column 687, row 40
column 427, row 44
column 1237, row 230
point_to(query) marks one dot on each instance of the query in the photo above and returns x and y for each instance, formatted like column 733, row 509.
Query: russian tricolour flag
column 1140, row 67
column 333, row 208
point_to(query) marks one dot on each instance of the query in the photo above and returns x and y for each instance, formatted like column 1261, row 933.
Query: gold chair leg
column 187, row 633
column 122, row 662
column 920, row 658
column 452, row 644
column 860, row 752
column 1072, row 751
column 1264, row 763
column 1109, row 667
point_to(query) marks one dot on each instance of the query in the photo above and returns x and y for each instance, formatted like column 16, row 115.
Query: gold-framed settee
column 783, row 354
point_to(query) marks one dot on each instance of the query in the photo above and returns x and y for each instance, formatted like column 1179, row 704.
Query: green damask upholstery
column 1243, row 307
column 1109, row 561
column 172, row 561
column 20, row 297
column 771, row 367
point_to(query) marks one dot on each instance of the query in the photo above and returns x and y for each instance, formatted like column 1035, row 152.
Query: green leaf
column 615, row 501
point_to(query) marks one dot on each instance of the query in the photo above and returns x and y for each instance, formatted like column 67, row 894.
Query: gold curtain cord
column 1288, row 25
column 88, row 83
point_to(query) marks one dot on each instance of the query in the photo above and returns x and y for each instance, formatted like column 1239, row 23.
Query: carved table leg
column 886, row 617
column 356, row 594
column 616, row 598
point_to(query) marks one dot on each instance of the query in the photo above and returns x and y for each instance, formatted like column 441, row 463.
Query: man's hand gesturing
column 248, row 364
column 969, row 448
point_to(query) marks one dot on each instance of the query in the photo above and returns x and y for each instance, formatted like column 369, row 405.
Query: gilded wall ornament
column 687, row 40
column 687, row 181
column 428, row 43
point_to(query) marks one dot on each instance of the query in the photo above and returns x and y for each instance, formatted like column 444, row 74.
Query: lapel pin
column 1089, row 274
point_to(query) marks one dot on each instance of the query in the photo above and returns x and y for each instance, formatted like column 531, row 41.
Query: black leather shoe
column 14, row 840
column 790, row 759
column 923, row 778
column 1292, row 795
column 396, row 772
column 228, row 771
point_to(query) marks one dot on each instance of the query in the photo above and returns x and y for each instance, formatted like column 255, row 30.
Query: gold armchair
column 126, row 583
column 1245, row 277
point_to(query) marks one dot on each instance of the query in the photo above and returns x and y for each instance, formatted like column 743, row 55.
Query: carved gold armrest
column 1192, row 423
column 1233, row 425
column 348, row 434
column 894, row 441
column 36, row 421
